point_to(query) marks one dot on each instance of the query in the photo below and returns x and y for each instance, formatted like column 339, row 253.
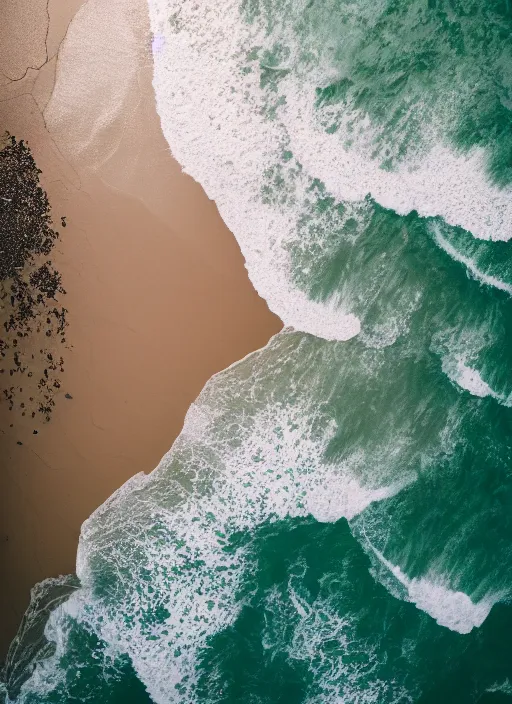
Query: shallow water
column 333, row 524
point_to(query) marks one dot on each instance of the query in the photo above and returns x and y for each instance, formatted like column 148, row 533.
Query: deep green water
column 334, row 523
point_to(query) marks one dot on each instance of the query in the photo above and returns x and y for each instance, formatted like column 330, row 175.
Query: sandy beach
column 157, row 295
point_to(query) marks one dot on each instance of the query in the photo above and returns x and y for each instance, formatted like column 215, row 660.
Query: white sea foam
column 505, row 687
column 274, row 472
column 469, row 263
column 225, row 142
column 470, row 379
column 48, row 675
column 459, row 351
column 213, row 116
column 305, row 630
column 456, row 367
column 452, row 609
column 439, row 182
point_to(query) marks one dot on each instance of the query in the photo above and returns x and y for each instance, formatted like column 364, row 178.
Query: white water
column 452, row 609
column 212, row 117
column 470, row 264
column 275, row 472
column 226, row 144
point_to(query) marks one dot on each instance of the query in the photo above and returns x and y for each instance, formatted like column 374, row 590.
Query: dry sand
column 157, row 292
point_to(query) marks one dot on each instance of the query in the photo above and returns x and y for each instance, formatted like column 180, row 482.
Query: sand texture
column 157, row 295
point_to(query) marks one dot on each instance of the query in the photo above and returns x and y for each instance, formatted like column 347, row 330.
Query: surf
column 334, row 517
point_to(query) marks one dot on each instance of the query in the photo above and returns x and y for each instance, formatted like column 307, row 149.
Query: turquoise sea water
column 334, row 523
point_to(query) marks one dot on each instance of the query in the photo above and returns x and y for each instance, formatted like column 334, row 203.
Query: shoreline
column 158, row 300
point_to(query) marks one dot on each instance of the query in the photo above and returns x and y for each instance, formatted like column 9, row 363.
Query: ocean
column 334, row 523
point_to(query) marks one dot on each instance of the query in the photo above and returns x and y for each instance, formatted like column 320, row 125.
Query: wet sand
column 157, row 293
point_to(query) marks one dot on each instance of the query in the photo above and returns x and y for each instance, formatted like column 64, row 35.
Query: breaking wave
column 333, row 523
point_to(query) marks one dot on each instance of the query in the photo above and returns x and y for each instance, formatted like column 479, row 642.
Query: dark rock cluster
column 30, row 287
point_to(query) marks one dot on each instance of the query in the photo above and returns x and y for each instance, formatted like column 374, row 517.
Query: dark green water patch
column 315, row 624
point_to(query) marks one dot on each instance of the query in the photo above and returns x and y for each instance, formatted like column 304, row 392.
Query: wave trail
column 469, row 263
column 452, row 609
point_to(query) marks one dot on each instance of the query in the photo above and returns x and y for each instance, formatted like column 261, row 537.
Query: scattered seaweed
column 30, row 286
